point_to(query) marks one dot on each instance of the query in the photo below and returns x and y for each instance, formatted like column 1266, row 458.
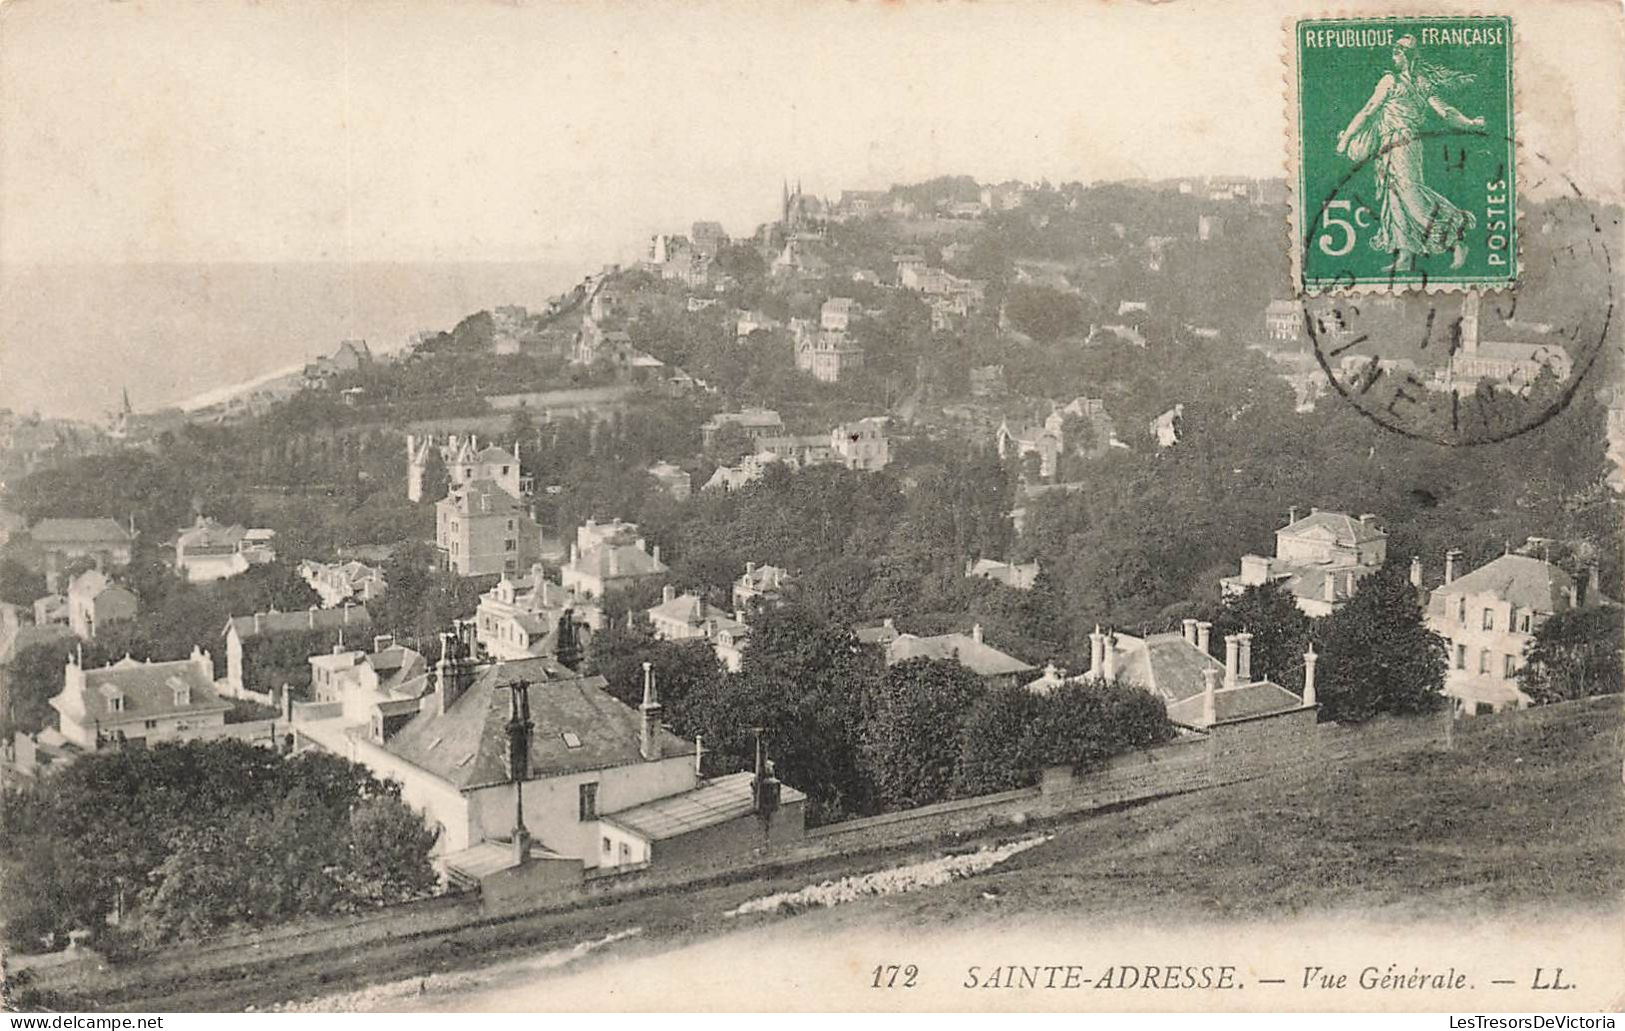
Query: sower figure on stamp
column 1414, row 218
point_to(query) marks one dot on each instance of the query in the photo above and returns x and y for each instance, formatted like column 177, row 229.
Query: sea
column 74, row 337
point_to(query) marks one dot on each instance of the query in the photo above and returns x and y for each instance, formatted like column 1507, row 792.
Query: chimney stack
column 1189, row 626
column 1451, row 557
column 668, row 593
column 1232, row 658
column 1244, row 662
column 1292, row 515
column 1097, row 652
column 1416, row 571
column 655, row 554
column 1109, row 670
column 976, row 633
column 1309, row 658
column 1210, row 703
column 1204, row 635
column 649, row 739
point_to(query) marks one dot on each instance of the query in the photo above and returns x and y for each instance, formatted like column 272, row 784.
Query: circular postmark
column 1469, row 367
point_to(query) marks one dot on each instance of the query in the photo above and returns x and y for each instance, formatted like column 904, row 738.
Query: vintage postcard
column 797, row 506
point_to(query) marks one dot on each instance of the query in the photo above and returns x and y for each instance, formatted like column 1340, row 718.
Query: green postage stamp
column 1404, row 144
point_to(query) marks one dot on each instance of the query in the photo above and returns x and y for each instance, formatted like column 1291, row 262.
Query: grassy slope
column 1526, row 812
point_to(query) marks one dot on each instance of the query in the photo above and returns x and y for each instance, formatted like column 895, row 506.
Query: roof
column 1342, row 527
column 79, row 531
column 715, row 801
column 208, row 533
column 1242, row 701
column 494, row 455
column 1525, row 581
column 880, row 633
column 1516, row 352
column 630, row 560
column 748, row 417
column 980, row 658
column 149, row 689
column 274, row 622
column 692, row 610
column 490, row 857
column 764, row 578
column 482, row 496
column 1165, row 664
column 467, row 745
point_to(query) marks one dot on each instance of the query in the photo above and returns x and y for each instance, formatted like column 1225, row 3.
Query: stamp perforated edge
column 1295, row 200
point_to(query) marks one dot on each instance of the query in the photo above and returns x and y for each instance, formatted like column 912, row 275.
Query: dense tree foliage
column 1575, row 654
column 1379, row 656
column 182, row 840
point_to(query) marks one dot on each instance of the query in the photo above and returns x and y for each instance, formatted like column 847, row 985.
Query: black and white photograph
column 633, row 506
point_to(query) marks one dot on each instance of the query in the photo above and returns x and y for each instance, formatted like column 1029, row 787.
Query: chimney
column 310, row 617
column 1244, row 662
column 1292, row 515
column 614, row 561
column 656, row 553
column 575, row 554
column 1109, row 670
column 1368, row 519
column 1097, row 652
column 739, row 615
column 259, row 622
column 1204, row 635
column 346, row 616
column 454, row 673
column 889, row 624
column 976, row 633
column 1232, row 658
column 1451, row 557
column 648, row 740
column 1189, row 626
column 1416, row 571
column 1309, row 658
column 668, row 593
column 382, row 641
column 750, row 568
column 1210, row 704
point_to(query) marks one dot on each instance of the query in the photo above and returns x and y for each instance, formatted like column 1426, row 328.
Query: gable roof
column 1242, row 701
column 482, row 497
column 1525, row 581
column 467, row 746
column 208, row 533
column 348, row 617
column 692, row 610
column 79, row 531
column 980, row 658
column 630, row 560
column 1341, row 527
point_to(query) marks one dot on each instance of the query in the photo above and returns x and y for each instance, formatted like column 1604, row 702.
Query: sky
column 421, row 130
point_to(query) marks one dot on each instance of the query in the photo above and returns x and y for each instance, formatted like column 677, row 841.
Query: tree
column 389, row 852
column 1379, row 657
column 436, row 477
column 911, row 730
column 998, row 747
column 1084, row 724
column 1575, row 654
column 1279, row 628
column 20, row 585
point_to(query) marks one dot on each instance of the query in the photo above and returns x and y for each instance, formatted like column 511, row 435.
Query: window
column 510, row 524
column 626, row 853
column 1461, row 610
column 607, row 847
column 571, row 740
column 510, row 544
column 1482, row 708
column 1509, row 667
column 1484, row 661
column 152, row 724
column 589, row 801
column 1489, row 619
column 1461, row 656
column 1523, row 623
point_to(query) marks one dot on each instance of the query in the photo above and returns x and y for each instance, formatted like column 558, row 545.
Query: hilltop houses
column 133, row 701
column 608, row 556
column 861, row 444
column 763, row 585
column 688, row 617
column 61, row 542
column 482, row 530
column 969, row 650
column 1048, row 440
column 465, row 462
column 755, row 423
column 243, row 632
column 208, row 550
column 1513, row 366
column 350, row 356
column 1489, row 617
column 519, row 619
column 1018, row 576
column 360, row 680
column 1319, row 559
column 674, row 481
column 95, row 602
column 340, row 583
